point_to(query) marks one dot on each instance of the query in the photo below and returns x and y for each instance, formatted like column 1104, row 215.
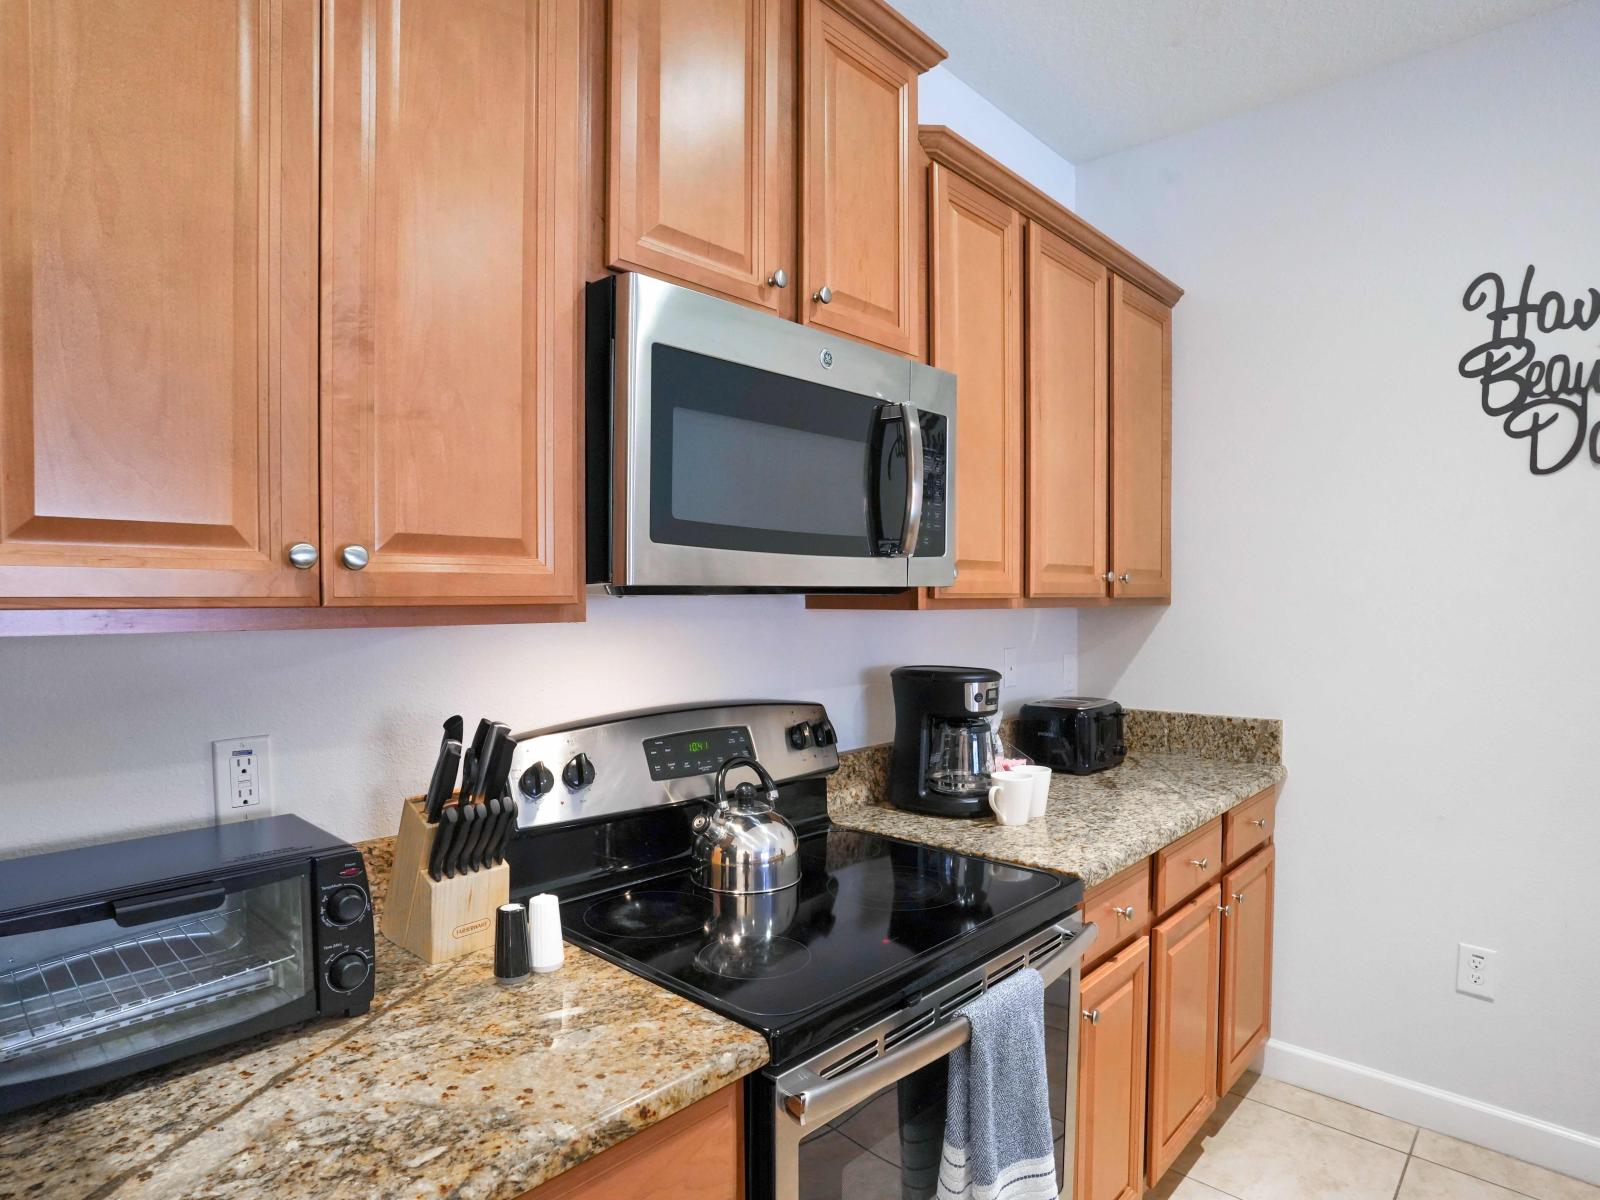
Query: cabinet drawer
column 1107, row 905
column 1188, row 865
column 1248, row 826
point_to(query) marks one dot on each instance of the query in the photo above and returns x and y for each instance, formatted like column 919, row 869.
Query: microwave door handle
column 913, row 525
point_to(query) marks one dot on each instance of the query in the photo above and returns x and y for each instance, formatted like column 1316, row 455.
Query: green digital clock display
column 696, row 747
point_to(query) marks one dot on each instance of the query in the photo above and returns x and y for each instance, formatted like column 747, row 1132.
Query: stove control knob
column 800, row 735
column 348, row 972
column 345, row 906
column 537, row 780
column 578, row 773
column 823, row 733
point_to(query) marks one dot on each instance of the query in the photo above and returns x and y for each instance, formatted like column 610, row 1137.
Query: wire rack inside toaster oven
column 200, row 961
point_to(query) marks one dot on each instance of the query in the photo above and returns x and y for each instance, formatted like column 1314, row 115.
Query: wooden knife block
column 443, row 920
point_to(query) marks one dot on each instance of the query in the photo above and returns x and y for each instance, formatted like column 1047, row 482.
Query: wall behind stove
column 1359, row 550
column 101, row 736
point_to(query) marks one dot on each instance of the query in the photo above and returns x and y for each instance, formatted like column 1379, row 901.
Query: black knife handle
column 458, row 844
column 443, row 836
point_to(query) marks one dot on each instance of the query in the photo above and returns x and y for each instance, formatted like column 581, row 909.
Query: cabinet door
column 1111, row 1077
column 1141, row 443
column 1246, row 1015
column 450, row 300
column 1066, row 496
column 977, row 334
column 158, row 438
column 860, row 195
column 701, row 145
column 1183, row 1028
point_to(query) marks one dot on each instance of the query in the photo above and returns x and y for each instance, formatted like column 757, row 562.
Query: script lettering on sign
column 1540, row 397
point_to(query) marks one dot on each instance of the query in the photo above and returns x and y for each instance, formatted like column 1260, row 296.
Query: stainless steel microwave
column 729, row 450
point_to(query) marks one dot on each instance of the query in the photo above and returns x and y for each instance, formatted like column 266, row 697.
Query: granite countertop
column 1095, row 826
column 450, row 1086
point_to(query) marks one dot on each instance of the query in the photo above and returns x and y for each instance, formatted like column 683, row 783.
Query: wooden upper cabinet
column 861, row 203
column 701, row 144
column 1109, row 1161
column 1246, row 1013
column 450, row 300
column 1183, row 1028
column 1067, row 442
column 977, row 334
column 1141, row 443
column 158, row 439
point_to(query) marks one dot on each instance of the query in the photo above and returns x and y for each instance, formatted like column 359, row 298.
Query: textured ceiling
column 1090, row 77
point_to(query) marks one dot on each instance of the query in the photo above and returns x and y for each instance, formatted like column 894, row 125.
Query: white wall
column 1360, row 550
column 101, row 736
column 942, row 99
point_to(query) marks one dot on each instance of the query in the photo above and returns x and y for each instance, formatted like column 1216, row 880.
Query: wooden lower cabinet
column 1109, row 1162
column 1246, row 1006
column 696, row 1154
column 1185, row 959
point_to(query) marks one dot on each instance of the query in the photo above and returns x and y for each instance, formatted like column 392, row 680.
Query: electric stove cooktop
column 873, row 922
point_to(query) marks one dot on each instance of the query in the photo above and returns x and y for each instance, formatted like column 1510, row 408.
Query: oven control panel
column 635, row 761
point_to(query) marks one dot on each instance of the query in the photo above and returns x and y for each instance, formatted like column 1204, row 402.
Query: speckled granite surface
column 1096, row 825
column 451, row 1086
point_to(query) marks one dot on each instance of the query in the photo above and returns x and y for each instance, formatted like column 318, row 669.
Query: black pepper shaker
column 511, row 944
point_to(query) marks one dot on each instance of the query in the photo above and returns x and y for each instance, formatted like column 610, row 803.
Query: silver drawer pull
column 1225, row 909
column 1260, row 824
column 779, row 278
column 1238, row 897
column 354, row 557
column 1125, row 913
column 1092, row 1015
column 302, row 556
column 823, row 295
column 1202, row 863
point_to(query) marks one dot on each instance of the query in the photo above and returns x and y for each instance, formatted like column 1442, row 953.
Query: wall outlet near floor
column 1475, row 971
column 241, row 773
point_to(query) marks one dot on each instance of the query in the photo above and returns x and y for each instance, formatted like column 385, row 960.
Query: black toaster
column 1076, row 734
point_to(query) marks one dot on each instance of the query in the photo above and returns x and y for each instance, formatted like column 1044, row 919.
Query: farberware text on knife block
column 438, row 920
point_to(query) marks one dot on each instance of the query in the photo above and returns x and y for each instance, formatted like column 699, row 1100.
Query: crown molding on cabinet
column 945, row 146
column 899, row 34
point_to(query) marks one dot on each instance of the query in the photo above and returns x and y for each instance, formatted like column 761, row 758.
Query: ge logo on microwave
column 827, row 359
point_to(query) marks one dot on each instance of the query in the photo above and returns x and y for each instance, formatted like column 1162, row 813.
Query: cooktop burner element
column 900, row 892
column 649, row 915
column 764, row 959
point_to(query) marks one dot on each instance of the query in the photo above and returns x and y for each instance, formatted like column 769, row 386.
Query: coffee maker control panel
column 982, row 698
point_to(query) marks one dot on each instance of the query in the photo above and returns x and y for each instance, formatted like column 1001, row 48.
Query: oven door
column 873, row 1129
column 753, row 453
column 95, row 993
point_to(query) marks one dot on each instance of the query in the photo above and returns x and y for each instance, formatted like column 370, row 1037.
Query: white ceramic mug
column 1039, row 778
column 1011, row 797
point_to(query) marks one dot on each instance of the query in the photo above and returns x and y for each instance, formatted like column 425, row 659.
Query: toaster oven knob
column 346, row 906
column 348, row 972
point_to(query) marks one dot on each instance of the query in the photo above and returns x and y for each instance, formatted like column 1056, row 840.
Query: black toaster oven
column 1076, row 734
column 120, row 957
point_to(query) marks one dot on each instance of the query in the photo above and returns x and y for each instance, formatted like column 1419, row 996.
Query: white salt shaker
column 545, row 950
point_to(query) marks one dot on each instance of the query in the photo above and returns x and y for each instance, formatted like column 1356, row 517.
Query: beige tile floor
column 1271, row 1141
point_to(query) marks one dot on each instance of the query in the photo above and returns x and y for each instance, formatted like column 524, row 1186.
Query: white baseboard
column 1528, row 1138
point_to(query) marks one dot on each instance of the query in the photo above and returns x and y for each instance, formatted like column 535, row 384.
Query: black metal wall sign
column 1543, row 398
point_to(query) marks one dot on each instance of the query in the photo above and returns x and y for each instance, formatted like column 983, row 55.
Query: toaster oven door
column 145, row 979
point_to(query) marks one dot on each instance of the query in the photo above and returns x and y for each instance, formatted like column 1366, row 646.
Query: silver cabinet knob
column 1092, row 1015
column 1225, row 909
column 779, row 278
column 1125, row 913
column 1111, row 576
column 1125, row 577
column 1238, row 897
column 302, row 556
column 1261, row 824
column 354, row 557
column 1202, row 863
column 823, row 295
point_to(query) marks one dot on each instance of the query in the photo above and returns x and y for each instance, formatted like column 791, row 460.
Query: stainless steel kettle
column 743, row 844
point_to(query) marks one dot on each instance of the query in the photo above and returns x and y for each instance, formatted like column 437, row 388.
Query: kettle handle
column 721, row 794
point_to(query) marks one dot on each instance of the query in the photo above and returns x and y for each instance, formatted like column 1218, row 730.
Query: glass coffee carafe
column 962, row 754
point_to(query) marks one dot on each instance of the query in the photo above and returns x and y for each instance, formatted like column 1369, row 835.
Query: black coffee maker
column 945, row 742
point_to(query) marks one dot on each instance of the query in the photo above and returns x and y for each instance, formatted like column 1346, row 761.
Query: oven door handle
column 914, row 481
column 819, row 1100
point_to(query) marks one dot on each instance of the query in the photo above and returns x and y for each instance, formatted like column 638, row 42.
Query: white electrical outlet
column 241, row 771
column 1475, row 971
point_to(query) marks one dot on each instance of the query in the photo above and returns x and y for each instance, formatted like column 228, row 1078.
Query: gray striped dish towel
column 997, row 1138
